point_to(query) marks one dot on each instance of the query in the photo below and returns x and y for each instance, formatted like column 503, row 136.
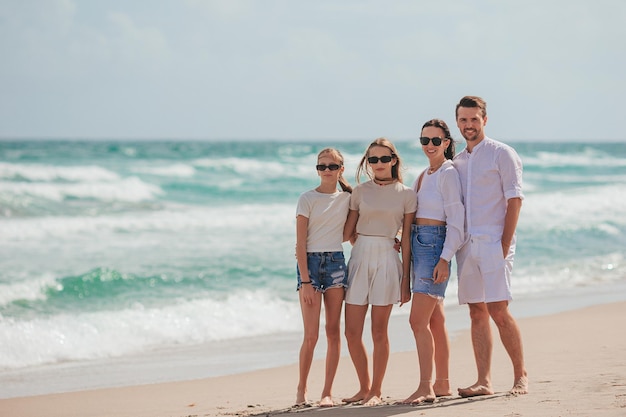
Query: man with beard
column 491, row 180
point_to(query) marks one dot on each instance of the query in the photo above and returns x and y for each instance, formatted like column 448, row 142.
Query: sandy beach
column 576, row 364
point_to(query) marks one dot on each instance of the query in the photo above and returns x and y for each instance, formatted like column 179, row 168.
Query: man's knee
column 478, row 312
column 499, row 312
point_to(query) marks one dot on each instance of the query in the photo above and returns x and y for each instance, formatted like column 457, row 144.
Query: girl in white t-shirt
column 379, row 208
column 321, row 267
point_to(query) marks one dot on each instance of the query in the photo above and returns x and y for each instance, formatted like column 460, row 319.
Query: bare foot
column 327, row 402
column 420, row 396
column 359, row 396
column 442, row 388
column 301, row 398
column 520, row 387
column 419, row 400
column 373, row 401
column 475, row 390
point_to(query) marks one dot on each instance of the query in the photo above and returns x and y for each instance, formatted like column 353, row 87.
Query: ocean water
column 112, row 252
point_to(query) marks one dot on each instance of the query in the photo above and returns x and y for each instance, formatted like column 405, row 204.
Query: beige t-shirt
column 382, row 207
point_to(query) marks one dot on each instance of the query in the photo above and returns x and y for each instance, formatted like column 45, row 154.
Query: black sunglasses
column 383, row 159
column 436, row 140
column 332, row 167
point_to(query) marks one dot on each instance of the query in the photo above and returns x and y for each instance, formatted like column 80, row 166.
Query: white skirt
column 374, row 272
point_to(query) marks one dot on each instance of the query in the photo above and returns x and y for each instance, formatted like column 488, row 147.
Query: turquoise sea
column 143, row 261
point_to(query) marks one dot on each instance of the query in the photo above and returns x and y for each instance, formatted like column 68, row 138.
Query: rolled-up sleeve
column 450, row 188
column 510, row 165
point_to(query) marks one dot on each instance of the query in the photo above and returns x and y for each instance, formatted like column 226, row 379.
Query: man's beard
column 470, row 136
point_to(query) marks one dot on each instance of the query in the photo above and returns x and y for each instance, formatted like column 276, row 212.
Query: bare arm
column 513, row 208
column 405, row 284
column 302, row 225
column 349, row 229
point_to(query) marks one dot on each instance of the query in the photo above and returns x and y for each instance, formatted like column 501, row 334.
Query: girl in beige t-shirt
column 379, row 208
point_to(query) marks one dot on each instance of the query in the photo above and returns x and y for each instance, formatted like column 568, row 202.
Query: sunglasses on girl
column 436, row 140
column 383, row 159
column 332, row 167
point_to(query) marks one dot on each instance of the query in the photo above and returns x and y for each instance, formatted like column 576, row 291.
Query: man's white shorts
column 484, row 273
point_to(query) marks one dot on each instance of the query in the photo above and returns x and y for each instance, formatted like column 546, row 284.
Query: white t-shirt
column 440, row 198
column 327, row 215
column 490, row 175
column 382, row 207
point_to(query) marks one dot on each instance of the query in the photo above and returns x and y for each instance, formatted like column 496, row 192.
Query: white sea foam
column 532, row 280
column 28, row 289
column 130, row 189
column 109, row 334
column 587, row 158
column 47, row 173
column 261, row 169
column 589, row 207
column 243, row 166
column 219, row 221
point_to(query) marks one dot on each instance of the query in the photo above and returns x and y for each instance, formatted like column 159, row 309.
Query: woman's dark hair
column 449, row 151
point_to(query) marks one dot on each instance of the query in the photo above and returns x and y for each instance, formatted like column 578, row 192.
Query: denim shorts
column 426, row 247
column 326, row 270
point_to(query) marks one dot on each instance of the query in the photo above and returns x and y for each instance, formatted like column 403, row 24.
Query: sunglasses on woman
column 383, row 159
column 436, row 140
column 332, row 167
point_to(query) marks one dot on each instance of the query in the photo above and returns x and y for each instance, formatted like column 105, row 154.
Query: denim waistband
column 428, row 228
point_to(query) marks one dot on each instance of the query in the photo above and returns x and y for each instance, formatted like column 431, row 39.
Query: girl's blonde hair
column 396, row 170
column 337, row 156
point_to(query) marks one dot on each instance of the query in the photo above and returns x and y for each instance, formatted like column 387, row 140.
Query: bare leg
column 333, row 303
column 483, row 345
column 512, row 340
column 442, row 351
column 311, row 320
column 380, row 338
column 422, row 308
column 355, row 320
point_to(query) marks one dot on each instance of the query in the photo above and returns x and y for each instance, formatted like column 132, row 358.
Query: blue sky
column 290, row 69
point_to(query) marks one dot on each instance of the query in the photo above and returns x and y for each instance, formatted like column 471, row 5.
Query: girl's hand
column 405, row 295
column 307, row 292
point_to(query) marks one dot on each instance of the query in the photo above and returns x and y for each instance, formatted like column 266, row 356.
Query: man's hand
column 442, row 269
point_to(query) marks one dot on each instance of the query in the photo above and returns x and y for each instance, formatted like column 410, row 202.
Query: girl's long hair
column 337, row 156
column 396, row 170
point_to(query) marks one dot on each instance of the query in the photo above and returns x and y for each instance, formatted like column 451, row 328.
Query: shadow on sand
column 384, row 410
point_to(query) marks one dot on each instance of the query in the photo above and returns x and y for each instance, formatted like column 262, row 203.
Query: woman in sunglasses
column 320, row 218
column 437, row 233
column 379, row 208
